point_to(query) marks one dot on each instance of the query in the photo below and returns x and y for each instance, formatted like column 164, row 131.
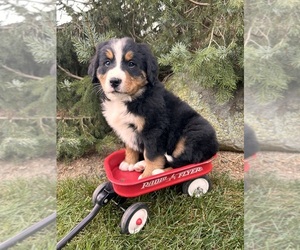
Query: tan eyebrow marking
column 129, row 55
column 109, row 54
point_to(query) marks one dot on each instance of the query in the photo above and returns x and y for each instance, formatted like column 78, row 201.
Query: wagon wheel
column 134, row 218
column 197, row 187
column 100, row 189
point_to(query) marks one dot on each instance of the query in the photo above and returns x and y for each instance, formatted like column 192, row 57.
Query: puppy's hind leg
column 154, row 166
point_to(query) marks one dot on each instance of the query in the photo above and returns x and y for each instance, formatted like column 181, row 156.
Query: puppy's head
column 123, row 67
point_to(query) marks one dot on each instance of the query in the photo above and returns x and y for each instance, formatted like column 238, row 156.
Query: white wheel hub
column 138, row 221
column 198, row 187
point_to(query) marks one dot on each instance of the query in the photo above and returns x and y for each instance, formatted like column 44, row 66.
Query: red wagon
column 125, row 184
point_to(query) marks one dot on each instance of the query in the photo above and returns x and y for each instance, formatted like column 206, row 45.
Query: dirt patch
column 89, row 166
column 229, row 162
column 40, row 167
column 283, row 165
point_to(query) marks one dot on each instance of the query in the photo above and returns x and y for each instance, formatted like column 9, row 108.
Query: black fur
column 94, row 64
column 167, row 118
column 251, row 146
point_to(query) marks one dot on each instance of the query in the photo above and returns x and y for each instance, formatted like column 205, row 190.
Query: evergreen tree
column 207, row 43
column 203, row 40
column 27, row 95
column 271, row 52
column 81, row 127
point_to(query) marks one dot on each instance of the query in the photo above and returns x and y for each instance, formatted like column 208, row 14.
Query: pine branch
column 73, row 118
column 211, row 36
column 20, row 73
column 197, row 3
column 25, row 118
column 190, row 10
column 69, row 73
column 45, row 117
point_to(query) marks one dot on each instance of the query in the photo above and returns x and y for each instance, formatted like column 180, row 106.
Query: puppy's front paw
column 157, row 171
column 139, row 166
column 124, row 166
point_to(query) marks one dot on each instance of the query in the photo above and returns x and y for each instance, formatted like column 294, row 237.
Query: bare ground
column 284, row 165
column 38, row 167
column 93, row 166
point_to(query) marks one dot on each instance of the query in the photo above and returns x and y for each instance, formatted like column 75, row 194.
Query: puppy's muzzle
column 115, row 82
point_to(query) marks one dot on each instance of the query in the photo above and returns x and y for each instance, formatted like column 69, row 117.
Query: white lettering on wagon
column 154, row 182
column 172, row 177
column 190, row 171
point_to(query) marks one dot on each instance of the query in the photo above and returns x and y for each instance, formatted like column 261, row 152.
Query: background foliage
column 204, row 40
column 27, row 88
column 27, row 120
column 271, row 52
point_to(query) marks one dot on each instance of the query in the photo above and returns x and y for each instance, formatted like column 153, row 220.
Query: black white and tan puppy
column 148, row 118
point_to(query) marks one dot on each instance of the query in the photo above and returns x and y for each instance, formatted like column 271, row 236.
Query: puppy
column 148, row 118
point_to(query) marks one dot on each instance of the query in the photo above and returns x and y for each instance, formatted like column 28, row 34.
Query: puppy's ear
column 94, row 63
column 150, row 64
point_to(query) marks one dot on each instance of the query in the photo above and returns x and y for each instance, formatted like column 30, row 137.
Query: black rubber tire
column 106, row 185
column 197, row 187
column 131, row 221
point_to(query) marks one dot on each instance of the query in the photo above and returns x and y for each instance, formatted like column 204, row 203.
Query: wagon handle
column 28, row 232
column 101, row 200
column 78, row 228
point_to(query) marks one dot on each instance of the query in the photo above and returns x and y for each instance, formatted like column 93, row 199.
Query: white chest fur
column 124, row 123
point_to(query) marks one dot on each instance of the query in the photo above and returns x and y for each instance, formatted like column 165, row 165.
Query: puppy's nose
column 115, row 82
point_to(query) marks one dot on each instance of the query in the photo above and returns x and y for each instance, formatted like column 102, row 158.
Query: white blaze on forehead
column 117, row 46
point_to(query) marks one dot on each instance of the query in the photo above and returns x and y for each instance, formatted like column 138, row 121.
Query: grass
column 272, row 212
column 23, row 203
column 177, row 221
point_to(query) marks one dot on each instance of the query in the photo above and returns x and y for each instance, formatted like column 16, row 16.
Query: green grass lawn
column 24, row 202
column 177, row 221
column 272, row 212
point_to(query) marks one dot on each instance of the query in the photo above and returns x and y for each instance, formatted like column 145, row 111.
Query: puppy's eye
column 107, row 63
column 131, row 64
